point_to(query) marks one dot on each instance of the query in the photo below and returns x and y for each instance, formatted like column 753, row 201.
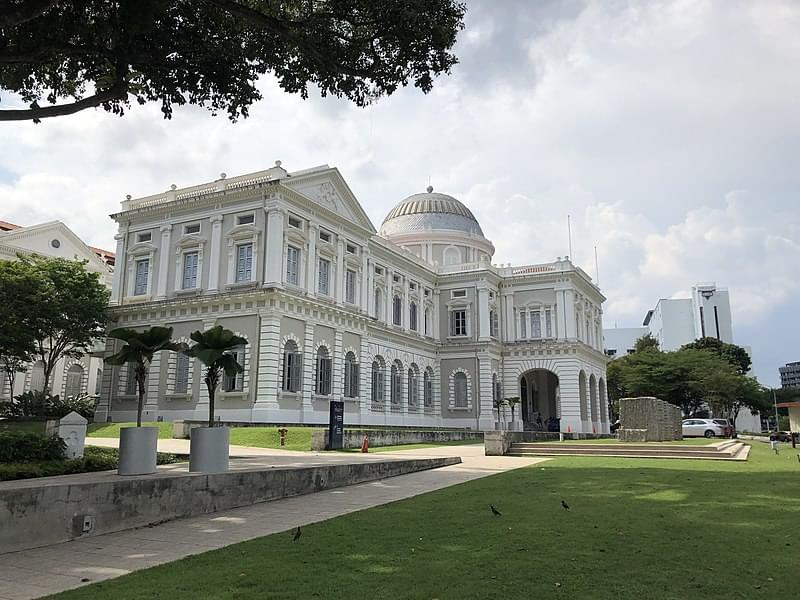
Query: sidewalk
column 42, row 571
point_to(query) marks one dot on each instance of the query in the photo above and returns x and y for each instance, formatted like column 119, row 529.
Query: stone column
column 437, row 334
column 389, row 297
column 265, row 407
column 163, row 262
column 570, row 402
column 483, row 389
column 365, row 281
column 118, row 281
column 406, row 306
column 483, row 313
column 311, row 259
column 214, row 253
column 153, row 385
column 273, row 273
column 337, row 366
column 307, row 384
column 369, row 292
column 570, row 329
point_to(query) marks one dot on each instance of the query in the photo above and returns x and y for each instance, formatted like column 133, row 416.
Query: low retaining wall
column 353, row 438
column 42, row 512
column 497, row 443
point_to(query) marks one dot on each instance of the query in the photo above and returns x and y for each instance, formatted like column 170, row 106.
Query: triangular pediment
column 328, row 189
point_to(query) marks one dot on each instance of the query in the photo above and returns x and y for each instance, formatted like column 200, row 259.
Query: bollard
column 282, row 431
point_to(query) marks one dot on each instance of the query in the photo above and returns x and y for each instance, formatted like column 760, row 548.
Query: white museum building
column 71, row 376
column 410, row 325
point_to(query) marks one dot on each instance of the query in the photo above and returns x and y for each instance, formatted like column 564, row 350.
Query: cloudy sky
column 669, row 130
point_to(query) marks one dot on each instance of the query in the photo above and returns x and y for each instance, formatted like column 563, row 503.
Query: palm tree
column 139, row 349
column 213, row 349
column 512, row 404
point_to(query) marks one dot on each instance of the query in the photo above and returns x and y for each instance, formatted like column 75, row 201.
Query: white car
column 702, row 428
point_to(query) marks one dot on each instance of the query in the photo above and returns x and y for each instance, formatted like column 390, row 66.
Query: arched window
column 72, row 387
column 292, row 367
column 235, row 383
column 413, row 386
column 460, row 389
column 181, row 373
column 427, row 387
column 412, row 316
column 350, row 376
column 452, row 256
column 397, row 310
column 426, row 322
column 378, row 380
column 378, row 303
column 37, row 376
column 396, row 383
column 130, row 381
column 323, row 376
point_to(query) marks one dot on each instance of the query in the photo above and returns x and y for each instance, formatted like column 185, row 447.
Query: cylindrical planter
column 208, row 447
column 137, row 450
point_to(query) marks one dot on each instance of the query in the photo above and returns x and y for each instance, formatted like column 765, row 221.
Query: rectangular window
column 350, row 248
column 292, row 368
column 377, row 384
column 296, row 223
column 190, row 229
column 548, row 323
column 142, row 275
column 458, row 294
column 246, row 219
column 536, row 324
column 523, row 330
column 324, row 277
column 324, row 236
column 130, row 382
column 458, row 322
column 144, row 237
column 235, row 383
column 493, row 323
column 190, row 270
column 181, row 373
column 324, row 376
column 292, row 264
column 378, row 271
column 244, row 262
column 396, row 278
column 350, row 287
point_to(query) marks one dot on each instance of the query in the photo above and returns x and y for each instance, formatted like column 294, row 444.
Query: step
column 620, row 447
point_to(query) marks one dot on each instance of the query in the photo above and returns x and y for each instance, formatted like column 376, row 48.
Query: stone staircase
column 725, row 450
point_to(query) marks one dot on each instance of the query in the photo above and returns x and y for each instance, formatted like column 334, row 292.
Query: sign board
column 336, row 426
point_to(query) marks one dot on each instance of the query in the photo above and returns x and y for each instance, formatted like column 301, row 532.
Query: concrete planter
column 137, row 450
column 209, row 447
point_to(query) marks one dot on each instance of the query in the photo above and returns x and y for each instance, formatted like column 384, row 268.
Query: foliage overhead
column 211, row 52
column 18, row 291
column 646, row 343
column 139, row 349
column 213, row 348
column 735, row 355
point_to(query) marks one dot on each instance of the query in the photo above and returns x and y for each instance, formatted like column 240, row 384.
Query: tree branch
column 25, row 10
column 118, row 92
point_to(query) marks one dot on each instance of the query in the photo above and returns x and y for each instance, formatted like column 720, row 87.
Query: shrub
column 38, row 404
column 83, row 404
column 28, row 404
column 23, row 446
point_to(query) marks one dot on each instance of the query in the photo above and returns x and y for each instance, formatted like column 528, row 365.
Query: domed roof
column 431, row 210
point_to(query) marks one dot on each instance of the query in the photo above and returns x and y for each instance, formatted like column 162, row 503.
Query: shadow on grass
column 635, row 529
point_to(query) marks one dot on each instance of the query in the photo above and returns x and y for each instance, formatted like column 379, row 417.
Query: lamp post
column 775, row 406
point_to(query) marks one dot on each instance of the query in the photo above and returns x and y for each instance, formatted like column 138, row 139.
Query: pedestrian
column 773, row 441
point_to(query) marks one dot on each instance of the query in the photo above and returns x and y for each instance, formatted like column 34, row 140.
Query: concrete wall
column 353, row 438
column 41, row 512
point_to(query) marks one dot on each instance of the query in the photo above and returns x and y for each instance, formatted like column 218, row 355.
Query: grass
column 94, row 459
column 655, row 529
column 297, row 438
column 111, row 430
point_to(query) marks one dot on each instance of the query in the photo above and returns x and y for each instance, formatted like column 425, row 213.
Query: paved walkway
column 42, row 571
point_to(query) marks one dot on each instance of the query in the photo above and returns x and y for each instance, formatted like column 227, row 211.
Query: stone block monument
column 648, row 419
column 72, row 429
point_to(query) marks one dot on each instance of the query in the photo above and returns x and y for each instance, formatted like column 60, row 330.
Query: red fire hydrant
column 282, row 431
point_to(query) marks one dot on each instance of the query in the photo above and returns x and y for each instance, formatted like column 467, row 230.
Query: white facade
column 71, row 376
column 413, row 326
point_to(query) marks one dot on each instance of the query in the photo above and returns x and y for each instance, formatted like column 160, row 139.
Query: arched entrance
column 539, row 398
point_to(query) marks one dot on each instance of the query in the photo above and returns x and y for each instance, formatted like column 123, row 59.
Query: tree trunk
column 212, row 382
column 141, row 376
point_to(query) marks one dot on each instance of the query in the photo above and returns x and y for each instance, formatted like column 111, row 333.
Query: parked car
column 726, row 425
column 784, row 436
column 702, row 428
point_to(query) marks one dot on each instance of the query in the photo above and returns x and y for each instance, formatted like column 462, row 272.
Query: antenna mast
column 596, row 268
column 569, row 236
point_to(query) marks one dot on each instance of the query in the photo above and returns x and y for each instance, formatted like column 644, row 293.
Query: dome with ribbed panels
column 430, row 211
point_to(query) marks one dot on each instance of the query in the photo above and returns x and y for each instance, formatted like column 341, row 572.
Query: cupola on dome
column 430, row 211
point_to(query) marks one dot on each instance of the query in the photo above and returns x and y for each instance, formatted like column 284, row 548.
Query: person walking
column 773, row 441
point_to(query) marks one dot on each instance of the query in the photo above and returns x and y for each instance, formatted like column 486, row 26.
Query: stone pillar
column 389, row 297
column 365, row 281
column 570, row 402
column 118, row 282
column 337, row 366
column 269, row 362
column 214, row 253
column 273, row 273
column 483, row 313
column 567, row 313
column 153, row 387
column 483, row 389
column 437, row 334
column 307, row 385
column 369, row 293
column 163, row 262
column 406, row 306
column 339, row 270
column 311, row 259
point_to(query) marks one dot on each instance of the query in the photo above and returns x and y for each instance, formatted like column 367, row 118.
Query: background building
column 790, row 375
column 409, row 326
column 71, row 376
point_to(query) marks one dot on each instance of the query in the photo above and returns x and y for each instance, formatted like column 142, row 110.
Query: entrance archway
column 539, row 399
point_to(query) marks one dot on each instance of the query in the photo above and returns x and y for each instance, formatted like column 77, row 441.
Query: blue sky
column 668, row 130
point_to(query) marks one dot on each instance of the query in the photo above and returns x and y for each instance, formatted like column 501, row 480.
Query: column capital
column 165, row 228
column 215, row 219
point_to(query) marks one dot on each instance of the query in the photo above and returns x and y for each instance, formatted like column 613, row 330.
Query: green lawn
column 415, row 446
column 654, row 529
column 297, row 438
column 111, row 430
